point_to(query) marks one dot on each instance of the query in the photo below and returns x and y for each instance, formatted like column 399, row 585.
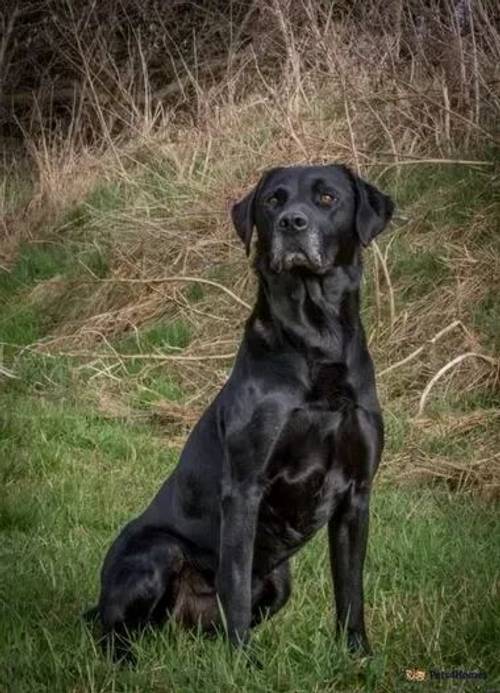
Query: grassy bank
column 124, row 290
column 72, row 477
column 94, row 413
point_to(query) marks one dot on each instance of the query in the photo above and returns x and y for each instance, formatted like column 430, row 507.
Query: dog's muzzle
column 299, row 250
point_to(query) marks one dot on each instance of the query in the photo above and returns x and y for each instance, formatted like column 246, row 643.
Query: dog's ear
column 242, row 214
column 373, row 210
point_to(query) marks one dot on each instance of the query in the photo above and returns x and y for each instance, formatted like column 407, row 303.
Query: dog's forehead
column 306, row 176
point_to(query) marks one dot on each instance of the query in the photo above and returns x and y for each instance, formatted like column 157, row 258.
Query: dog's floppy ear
column 373, row 210
column 242, row 214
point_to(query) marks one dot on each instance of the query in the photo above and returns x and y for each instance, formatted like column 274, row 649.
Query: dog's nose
column 294, row 221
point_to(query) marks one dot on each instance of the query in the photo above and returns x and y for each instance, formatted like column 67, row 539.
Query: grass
column 38, row 291
column 82, row 452
column 169, row 336
column 72, row 478
column 487, row 319
column 92, row 420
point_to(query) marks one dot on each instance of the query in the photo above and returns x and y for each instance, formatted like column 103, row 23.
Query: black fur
column 291, row 443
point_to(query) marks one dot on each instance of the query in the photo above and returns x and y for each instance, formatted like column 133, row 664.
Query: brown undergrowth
column 413, row 112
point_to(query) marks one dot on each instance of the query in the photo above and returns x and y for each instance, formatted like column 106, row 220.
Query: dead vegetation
column 143, row 156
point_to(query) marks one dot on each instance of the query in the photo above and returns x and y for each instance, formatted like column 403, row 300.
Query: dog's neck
column 317, row 314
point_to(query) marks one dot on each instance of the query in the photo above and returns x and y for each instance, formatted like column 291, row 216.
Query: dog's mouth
column 299, row 252
column 296, row 259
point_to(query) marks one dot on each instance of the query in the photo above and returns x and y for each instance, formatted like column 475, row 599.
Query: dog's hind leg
column 128, row 606
column 137, row 587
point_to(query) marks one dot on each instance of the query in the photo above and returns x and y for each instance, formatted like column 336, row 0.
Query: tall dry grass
column 385, row 87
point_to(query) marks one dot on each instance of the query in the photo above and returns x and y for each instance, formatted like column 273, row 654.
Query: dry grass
column 123, row 292
column 151, row 176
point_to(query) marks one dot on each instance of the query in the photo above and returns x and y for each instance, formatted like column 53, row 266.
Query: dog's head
column 312, row 217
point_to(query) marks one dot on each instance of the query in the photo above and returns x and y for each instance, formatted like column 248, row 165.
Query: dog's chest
column 328, row 386
column 305, row 482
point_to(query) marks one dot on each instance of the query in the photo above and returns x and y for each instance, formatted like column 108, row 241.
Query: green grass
column 24, row 317
column 426, row 269
column 104, row 198
column 41, row 261
column 448, row 195
column 72, row 478
column 169, row 336
column 155, row 388
column 149, row 384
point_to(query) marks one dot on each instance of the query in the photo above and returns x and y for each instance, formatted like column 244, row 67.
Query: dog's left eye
column 326, row 200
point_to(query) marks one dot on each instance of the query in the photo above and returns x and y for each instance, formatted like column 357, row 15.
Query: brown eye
column 272, row 201
column 326, row 200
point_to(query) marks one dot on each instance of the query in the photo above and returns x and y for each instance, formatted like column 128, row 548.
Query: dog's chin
column 296, row 260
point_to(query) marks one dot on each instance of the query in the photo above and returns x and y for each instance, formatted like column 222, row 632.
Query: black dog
column 290, row 443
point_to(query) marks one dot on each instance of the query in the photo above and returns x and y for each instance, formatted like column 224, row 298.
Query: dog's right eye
column 272, row 201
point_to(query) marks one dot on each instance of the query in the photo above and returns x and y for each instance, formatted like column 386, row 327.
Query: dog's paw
column 357, row 644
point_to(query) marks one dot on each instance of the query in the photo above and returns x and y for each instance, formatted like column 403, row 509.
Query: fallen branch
column 451, row 364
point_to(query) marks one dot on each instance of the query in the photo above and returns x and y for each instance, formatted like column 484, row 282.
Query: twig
column 417, row 352
column 351, row 133
column 453, row 113
column 416, row 160
column 148, row 357
column 7, row 31
column 179, row 278
column 407, row 162
column 376, row 287
column 387, row 276
column 445, row 369
column 8, row 374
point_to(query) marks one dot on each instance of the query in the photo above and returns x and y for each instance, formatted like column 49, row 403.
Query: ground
column 90, row 430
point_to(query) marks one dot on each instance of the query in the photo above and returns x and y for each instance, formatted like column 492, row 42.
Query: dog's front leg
column 348, row 533
column 248, row 449
column 359, row 446
column 239, row 510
